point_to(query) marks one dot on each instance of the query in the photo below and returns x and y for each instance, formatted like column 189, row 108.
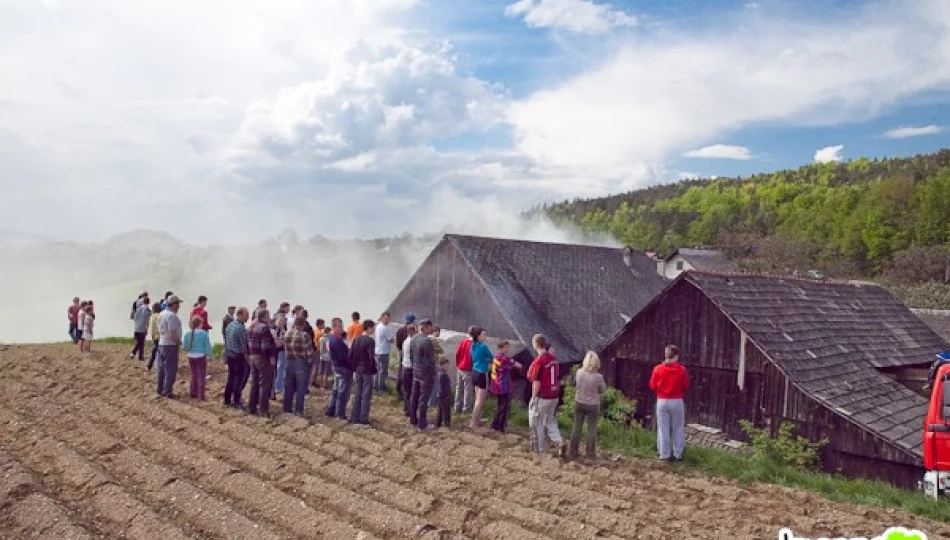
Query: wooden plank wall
column 709, row 346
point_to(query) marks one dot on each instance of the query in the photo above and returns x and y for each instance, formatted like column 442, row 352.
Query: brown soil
column 88, row 451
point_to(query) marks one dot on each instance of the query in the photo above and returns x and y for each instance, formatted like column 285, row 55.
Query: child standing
column 444, row 417
column 81, row 323
column 197, row 344
column 501, row 384
column 153, row 330
column 87, row 327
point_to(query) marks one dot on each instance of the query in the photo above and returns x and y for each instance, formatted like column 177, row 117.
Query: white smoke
column 331, row 278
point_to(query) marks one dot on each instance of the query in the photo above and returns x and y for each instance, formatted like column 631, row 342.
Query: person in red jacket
column 544, row 375
column 463, row 374
column 670, row 381
column 199, row 311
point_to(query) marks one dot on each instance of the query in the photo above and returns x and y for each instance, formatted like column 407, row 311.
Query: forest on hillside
column 884, row 219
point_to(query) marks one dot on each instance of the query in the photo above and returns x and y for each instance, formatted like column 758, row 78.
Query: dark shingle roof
column 706, row 260
column 575, row 295
column 828, row 337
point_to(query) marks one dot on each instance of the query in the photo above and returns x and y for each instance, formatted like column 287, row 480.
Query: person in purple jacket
column 500, row 384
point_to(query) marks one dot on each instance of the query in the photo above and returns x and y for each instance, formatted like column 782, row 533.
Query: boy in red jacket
column 670, row 381
column 543, row 374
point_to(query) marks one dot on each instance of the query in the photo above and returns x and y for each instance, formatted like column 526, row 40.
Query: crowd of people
column 282, row 356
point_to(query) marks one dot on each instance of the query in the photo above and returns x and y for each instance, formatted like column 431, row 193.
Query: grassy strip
column 640, row 443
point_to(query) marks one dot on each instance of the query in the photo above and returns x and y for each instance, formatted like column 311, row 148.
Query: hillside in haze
column 886, row 219
column 330, row 277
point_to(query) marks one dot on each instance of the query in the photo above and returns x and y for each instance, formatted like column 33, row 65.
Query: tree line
column 886, row 219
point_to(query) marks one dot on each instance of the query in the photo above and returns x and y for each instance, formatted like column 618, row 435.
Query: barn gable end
column 447, row 290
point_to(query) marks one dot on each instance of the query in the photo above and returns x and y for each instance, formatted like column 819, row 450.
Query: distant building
column 839, row 360
column 683, row 259
column 578, row 296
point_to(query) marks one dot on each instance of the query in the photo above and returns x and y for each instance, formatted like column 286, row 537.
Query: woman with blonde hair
column 197, row 345
column 589, row 386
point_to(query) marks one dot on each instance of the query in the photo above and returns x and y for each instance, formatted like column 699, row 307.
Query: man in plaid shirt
column 299, row 349
column 263, row 358
column 235, row 354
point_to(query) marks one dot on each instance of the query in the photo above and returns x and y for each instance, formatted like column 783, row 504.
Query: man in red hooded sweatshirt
column 463, row 374
column 670, row 381
column 199, row 311
column 544, row 375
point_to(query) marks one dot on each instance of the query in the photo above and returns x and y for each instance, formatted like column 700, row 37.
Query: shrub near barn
column 615, row 408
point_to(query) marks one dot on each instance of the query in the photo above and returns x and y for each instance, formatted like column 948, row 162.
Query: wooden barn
column 834, row 358
column 578, row 296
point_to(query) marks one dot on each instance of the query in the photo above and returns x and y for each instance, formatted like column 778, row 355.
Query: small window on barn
column 679, row 265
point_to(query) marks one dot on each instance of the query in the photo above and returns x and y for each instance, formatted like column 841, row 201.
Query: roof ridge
column 744, row 274
column 541, row 242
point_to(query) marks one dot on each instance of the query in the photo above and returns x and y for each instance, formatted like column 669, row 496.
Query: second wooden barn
column 834, row 358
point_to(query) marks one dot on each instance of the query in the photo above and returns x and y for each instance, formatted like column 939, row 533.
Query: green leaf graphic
column 901, row 535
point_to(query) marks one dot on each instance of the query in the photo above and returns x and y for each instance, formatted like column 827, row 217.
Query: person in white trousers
column 670, row 382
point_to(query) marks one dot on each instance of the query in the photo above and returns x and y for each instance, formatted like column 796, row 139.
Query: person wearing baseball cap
column 169, row 343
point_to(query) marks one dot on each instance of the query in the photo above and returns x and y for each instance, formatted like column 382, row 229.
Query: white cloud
column 662, row 94
column 686, row 175
column 721, row 151
column 223, row 119
column 372, row 98
column 829, row 154
column 905, row 132
column 581, row 16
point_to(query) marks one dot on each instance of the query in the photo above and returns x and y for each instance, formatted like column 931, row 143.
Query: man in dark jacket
column 402, row 334
column 262, row 350
column 342, row 371
column 363, row 361
column 423, row 375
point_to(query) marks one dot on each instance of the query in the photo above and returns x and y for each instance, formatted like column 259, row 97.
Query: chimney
column 627, row 253
column 628, row 256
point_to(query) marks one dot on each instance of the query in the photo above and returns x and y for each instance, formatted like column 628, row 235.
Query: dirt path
column 88, row 451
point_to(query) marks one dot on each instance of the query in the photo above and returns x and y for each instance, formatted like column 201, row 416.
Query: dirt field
column 88, row 451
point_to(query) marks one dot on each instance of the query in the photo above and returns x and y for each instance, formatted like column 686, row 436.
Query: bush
column 930, row 295
column 786, row 449
column 614, row 406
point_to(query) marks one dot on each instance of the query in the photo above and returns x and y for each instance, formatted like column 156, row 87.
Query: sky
column 224, row 121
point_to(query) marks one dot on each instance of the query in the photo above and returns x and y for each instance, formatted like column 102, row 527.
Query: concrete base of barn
column 710, row 437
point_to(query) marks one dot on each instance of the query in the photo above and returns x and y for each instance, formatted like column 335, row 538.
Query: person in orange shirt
column 356, row 327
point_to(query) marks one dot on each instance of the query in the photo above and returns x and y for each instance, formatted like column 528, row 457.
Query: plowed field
column 88, row 451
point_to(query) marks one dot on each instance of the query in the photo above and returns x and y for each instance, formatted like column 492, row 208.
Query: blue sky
column 226, row 120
